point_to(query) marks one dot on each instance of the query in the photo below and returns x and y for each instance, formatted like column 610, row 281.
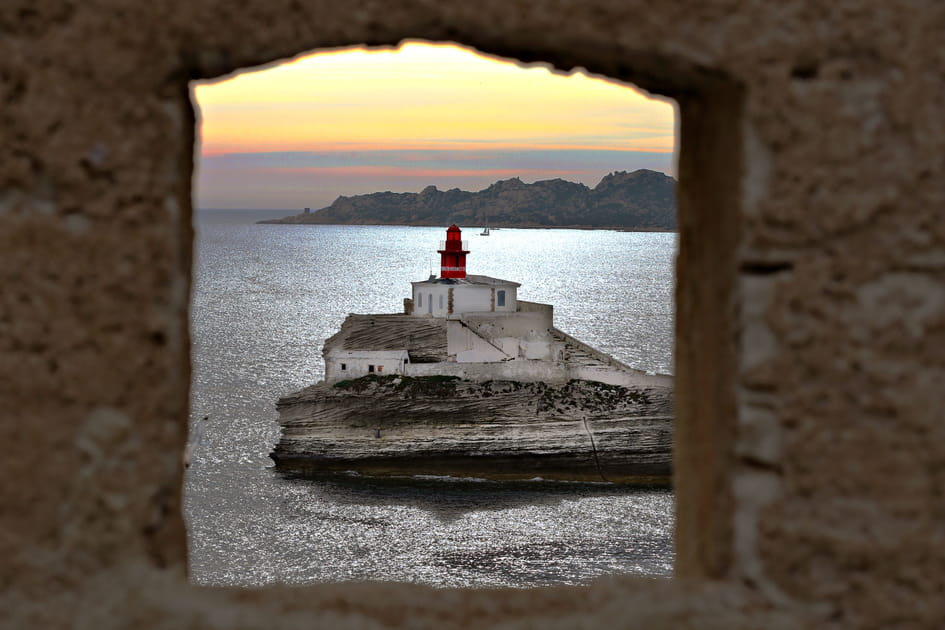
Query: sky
column 356, row 121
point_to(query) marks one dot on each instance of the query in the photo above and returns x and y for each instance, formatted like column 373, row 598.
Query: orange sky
column 356, row 121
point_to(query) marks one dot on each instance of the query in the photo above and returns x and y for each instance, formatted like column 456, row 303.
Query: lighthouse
column 453, row 254
column 468, row 326
column 455, row 293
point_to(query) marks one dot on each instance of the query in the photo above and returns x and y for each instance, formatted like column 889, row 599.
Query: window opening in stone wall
column 381, row 141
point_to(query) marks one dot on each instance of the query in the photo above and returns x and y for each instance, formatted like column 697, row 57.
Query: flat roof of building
column 424, row 338
column 470, row 279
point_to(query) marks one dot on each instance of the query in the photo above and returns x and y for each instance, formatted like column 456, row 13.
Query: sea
column 265, row 297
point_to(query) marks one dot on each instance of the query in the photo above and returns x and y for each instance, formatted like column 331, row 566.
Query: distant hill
column 643, row 200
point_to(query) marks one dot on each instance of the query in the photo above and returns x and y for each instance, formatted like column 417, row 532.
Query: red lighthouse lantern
column 453, row 256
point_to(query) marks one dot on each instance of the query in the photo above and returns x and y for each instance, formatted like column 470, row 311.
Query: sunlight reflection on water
column 265, row 298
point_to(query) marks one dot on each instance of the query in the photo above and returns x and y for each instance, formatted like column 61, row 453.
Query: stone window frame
column 776, row 306
column 126, row 555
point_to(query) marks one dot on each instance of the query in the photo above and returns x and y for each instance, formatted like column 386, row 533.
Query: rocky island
column 639, row 200
column 396, row 425
column 470, row 381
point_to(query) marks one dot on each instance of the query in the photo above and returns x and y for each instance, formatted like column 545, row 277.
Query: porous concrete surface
column 811, row 305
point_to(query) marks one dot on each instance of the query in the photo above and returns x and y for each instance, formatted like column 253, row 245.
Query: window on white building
column 501, row 298
column 370, row 368
column 419, row 300
column 441, row 301
column 344, row 367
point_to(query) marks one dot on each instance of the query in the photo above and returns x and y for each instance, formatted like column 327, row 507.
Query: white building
column 453, row 297
column 383, row 344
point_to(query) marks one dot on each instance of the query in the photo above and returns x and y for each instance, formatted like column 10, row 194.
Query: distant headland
column 642, row 200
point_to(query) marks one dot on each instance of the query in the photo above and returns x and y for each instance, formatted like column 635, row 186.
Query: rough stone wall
column 811, row 305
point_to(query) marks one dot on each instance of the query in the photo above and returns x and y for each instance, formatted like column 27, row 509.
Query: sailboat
column 485, row 231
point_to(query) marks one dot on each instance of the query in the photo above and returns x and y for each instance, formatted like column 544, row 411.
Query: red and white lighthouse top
column 453, row 254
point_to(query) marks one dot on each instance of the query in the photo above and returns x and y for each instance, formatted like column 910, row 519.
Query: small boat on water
column 485, row 231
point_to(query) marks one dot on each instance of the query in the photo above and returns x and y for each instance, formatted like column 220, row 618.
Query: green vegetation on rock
column 436, row 385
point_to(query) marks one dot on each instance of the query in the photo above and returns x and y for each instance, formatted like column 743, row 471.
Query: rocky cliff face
column 395, row 425
column 642, row 199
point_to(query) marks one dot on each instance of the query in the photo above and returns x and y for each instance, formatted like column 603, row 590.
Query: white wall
column 539, row 345
column 509, row 324
column 614, row 376
column 519, row 370
column 524, row 306
column 532, row 371
column 431, row 298
column 464, row 345
column 471, row 298
column 356, row 363
column 520, row 335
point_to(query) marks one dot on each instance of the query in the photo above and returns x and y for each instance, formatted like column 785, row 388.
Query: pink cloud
column 400, row 171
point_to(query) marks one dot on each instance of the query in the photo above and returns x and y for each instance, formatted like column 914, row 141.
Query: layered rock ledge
column 442, row 425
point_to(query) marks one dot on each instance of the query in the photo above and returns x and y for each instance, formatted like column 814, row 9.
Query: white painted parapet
column 517, row 370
